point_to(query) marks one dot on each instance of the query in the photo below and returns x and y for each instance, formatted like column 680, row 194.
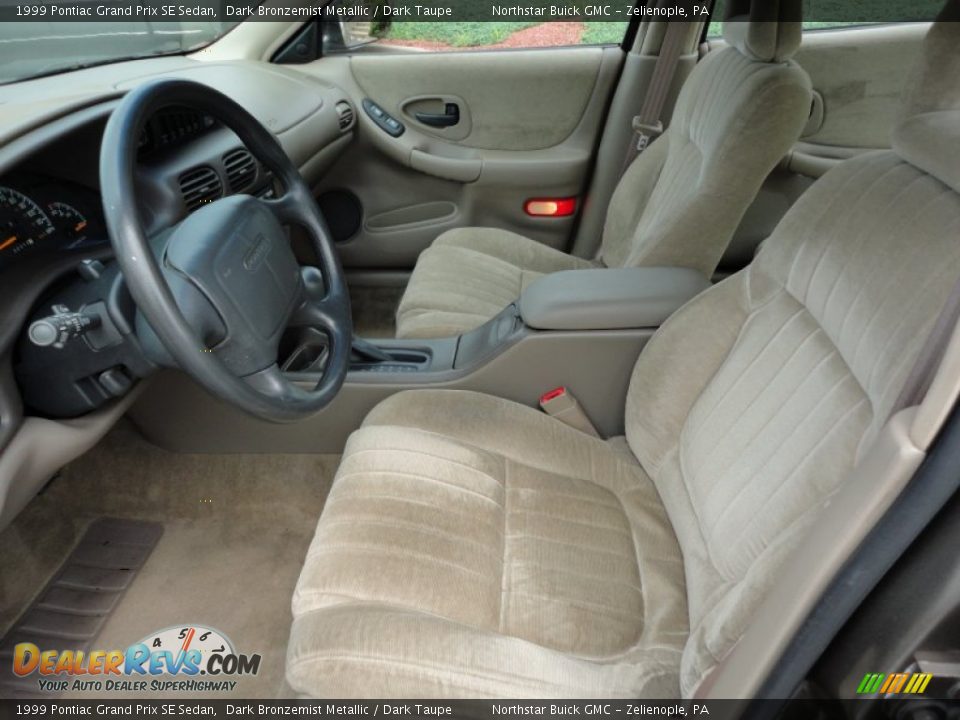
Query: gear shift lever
column 364, row 351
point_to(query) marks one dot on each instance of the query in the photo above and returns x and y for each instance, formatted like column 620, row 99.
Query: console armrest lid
column 609, row 299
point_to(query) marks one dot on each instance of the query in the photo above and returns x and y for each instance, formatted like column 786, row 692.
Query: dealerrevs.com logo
column 185, row 658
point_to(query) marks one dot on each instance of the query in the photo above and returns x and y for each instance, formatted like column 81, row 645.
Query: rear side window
column 827, row 14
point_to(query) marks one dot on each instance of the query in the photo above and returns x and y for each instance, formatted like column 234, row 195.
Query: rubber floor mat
column 69, row 612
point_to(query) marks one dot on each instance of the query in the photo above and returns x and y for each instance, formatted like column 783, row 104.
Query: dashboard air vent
column 344, row 114
column 199, row 186
column 241, row 169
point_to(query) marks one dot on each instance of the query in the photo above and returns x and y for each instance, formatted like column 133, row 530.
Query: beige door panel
column 859, row 74
column 562, row 166
column 403, row 210
column 519, row 100
column 528, row 126
column 412, row 109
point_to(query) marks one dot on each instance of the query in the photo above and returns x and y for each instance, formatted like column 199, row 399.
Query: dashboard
column 70, row 335
column 50, row 204
column 56, row 265
column 79, row 346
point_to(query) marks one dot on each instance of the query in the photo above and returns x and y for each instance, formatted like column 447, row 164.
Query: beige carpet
column 236, row 530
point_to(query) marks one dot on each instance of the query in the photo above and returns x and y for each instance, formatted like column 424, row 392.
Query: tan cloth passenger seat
column 679, row 203
column 475, row 547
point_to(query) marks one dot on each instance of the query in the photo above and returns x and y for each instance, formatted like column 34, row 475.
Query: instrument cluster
column 41, row 216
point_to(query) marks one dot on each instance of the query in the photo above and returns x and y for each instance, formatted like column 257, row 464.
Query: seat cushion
column 476, row 547
column 469, row 275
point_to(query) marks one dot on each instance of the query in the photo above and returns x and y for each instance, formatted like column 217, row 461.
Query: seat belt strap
column 931, row 354
column 648, row 125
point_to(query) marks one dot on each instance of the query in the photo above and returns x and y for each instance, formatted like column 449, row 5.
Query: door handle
column 449, row 118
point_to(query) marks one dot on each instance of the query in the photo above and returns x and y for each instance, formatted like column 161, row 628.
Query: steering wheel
column 226, row 283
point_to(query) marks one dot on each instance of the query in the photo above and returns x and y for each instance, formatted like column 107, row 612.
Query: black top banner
column 398, row 11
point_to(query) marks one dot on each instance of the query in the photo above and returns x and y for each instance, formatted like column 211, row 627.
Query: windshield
column 29, row 49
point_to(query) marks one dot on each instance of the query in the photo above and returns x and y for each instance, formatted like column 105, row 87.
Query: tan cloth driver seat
column 679, row 203
column 475, row 547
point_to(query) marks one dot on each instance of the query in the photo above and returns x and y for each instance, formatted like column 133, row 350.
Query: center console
column 582, row 329
column 574, row 300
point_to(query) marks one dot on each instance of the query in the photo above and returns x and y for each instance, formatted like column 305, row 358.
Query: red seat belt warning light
column 550, row 207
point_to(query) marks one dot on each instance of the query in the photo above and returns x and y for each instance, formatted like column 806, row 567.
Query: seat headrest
column 764, row 30
column 927, row 134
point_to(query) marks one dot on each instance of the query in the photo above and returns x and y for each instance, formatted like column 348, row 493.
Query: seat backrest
column 753, row 403
column 737, row 116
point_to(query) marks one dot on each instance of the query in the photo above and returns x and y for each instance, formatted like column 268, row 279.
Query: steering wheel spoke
column 319, row 311
column 270, row 381
column 287, row 208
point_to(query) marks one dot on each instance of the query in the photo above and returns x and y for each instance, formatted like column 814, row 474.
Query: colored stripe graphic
column 885, row 688
column 870, row 683
column 918, row 683
column 894, row 684
column 898, row 685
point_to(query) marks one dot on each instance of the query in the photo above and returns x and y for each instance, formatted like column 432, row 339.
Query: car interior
column 614, row 370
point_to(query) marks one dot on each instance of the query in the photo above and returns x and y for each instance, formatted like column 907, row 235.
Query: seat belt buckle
column 560, row 403
column 646, row 132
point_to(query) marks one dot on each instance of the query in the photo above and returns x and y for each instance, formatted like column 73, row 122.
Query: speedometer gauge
column 70, row 222
column 22, row 223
